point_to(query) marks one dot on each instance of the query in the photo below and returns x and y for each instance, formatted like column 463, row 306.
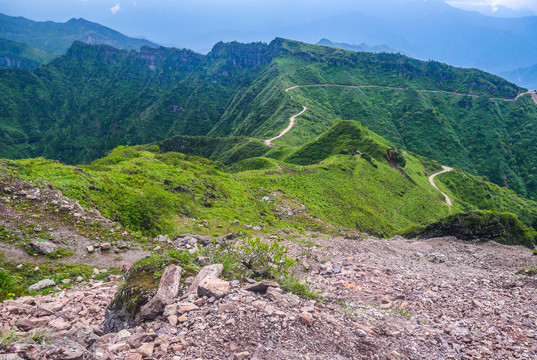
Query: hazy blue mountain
column 56, row 38
column 526, row 77
column 362, row 47
column 428, row 30
column 433, row 30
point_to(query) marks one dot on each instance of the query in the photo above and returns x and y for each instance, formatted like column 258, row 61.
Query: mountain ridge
column 239, row 90
column 56, row 38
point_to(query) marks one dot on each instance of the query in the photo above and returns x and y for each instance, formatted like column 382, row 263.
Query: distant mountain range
column 427, row 30
column 25, row 43
column 526, row 77
column 433, row 30
column 362, row 47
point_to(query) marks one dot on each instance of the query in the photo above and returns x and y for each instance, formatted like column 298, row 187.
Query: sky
column 523, row 7
column 173, row 22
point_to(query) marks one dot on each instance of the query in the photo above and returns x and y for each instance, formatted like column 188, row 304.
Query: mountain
column 21, row 56
column 526, row 77
column 433, row 30
column 362, row 47
column 83, row 104
column 56, row 38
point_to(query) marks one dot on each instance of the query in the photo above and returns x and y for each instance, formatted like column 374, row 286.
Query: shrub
column 266, row 260
column 226, row 255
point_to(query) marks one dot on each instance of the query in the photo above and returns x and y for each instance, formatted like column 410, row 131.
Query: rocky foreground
column 379, row 299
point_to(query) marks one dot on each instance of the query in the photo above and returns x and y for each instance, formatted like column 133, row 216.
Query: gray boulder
column 43, row 247
column 41, row 285
column 261, row 286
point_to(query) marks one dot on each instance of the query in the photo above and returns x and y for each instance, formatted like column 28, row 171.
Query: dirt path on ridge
column 431, row 180
column 292, row 121
column 400, row 88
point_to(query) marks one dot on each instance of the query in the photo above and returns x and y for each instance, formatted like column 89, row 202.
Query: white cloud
column 115, row 9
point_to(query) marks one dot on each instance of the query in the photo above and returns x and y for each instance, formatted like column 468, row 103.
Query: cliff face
column 17, row 62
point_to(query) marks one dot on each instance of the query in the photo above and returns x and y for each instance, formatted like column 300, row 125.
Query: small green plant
column 291, row 284
column 264, row 259
column 528, row 271
column 7, row 338
column 404, row 313
column 346, row 308
column 60, row 253
column 8, row 285
column 534, row 252
column 226, row 254
column 41, row 335
column 186, row 260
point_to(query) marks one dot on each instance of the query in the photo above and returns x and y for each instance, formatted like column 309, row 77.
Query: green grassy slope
column 82, row 105
column 355, row 186
column 171, row 193
column 476, row 134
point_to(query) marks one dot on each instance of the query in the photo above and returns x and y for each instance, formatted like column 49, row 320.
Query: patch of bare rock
column 381, row 299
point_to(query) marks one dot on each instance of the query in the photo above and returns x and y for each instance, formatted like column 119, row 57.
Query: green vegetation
column 8, row 285
column 15, row 280
column 362, row 182
column 17, row 55
column 212, row 106
column 265, row 259
column 504, row 228
column 476, row 193
column 7, row 338
column 345, row 137
column 252, row 257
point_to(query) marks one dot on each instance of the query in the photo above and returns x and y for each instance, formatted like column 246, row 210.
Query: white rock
column 41, row 285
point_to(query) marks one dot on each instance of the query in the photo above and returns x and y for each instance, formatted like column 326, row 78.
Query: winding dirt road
column 431, row 181
column 292, row 121
column 532, row 93
column 401, row 89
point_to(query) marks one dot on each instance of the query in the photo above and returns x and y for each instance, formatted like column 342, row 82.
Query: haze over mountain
column 424, row 29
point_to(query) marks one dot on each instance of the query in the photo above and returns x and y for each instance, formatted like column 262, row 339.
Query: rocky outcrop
column 138, row 289
column 390, row 300
column 504, row 228
column 168, row 290
column 213, row 287
column 210, row 271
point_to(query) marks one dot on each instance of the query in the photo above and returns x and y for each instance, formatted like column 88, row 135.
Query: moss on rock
column 504, row 228
column 139, row 286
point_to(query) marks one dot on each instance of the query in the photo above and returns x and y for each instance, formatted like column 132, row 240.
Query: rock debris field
column 379, row 299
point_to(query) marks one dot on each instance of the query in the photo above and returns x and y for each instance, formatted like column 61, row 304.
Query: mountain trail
column 533, row 94
column 292, row 121
column 400, row 88
column 431, row 180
